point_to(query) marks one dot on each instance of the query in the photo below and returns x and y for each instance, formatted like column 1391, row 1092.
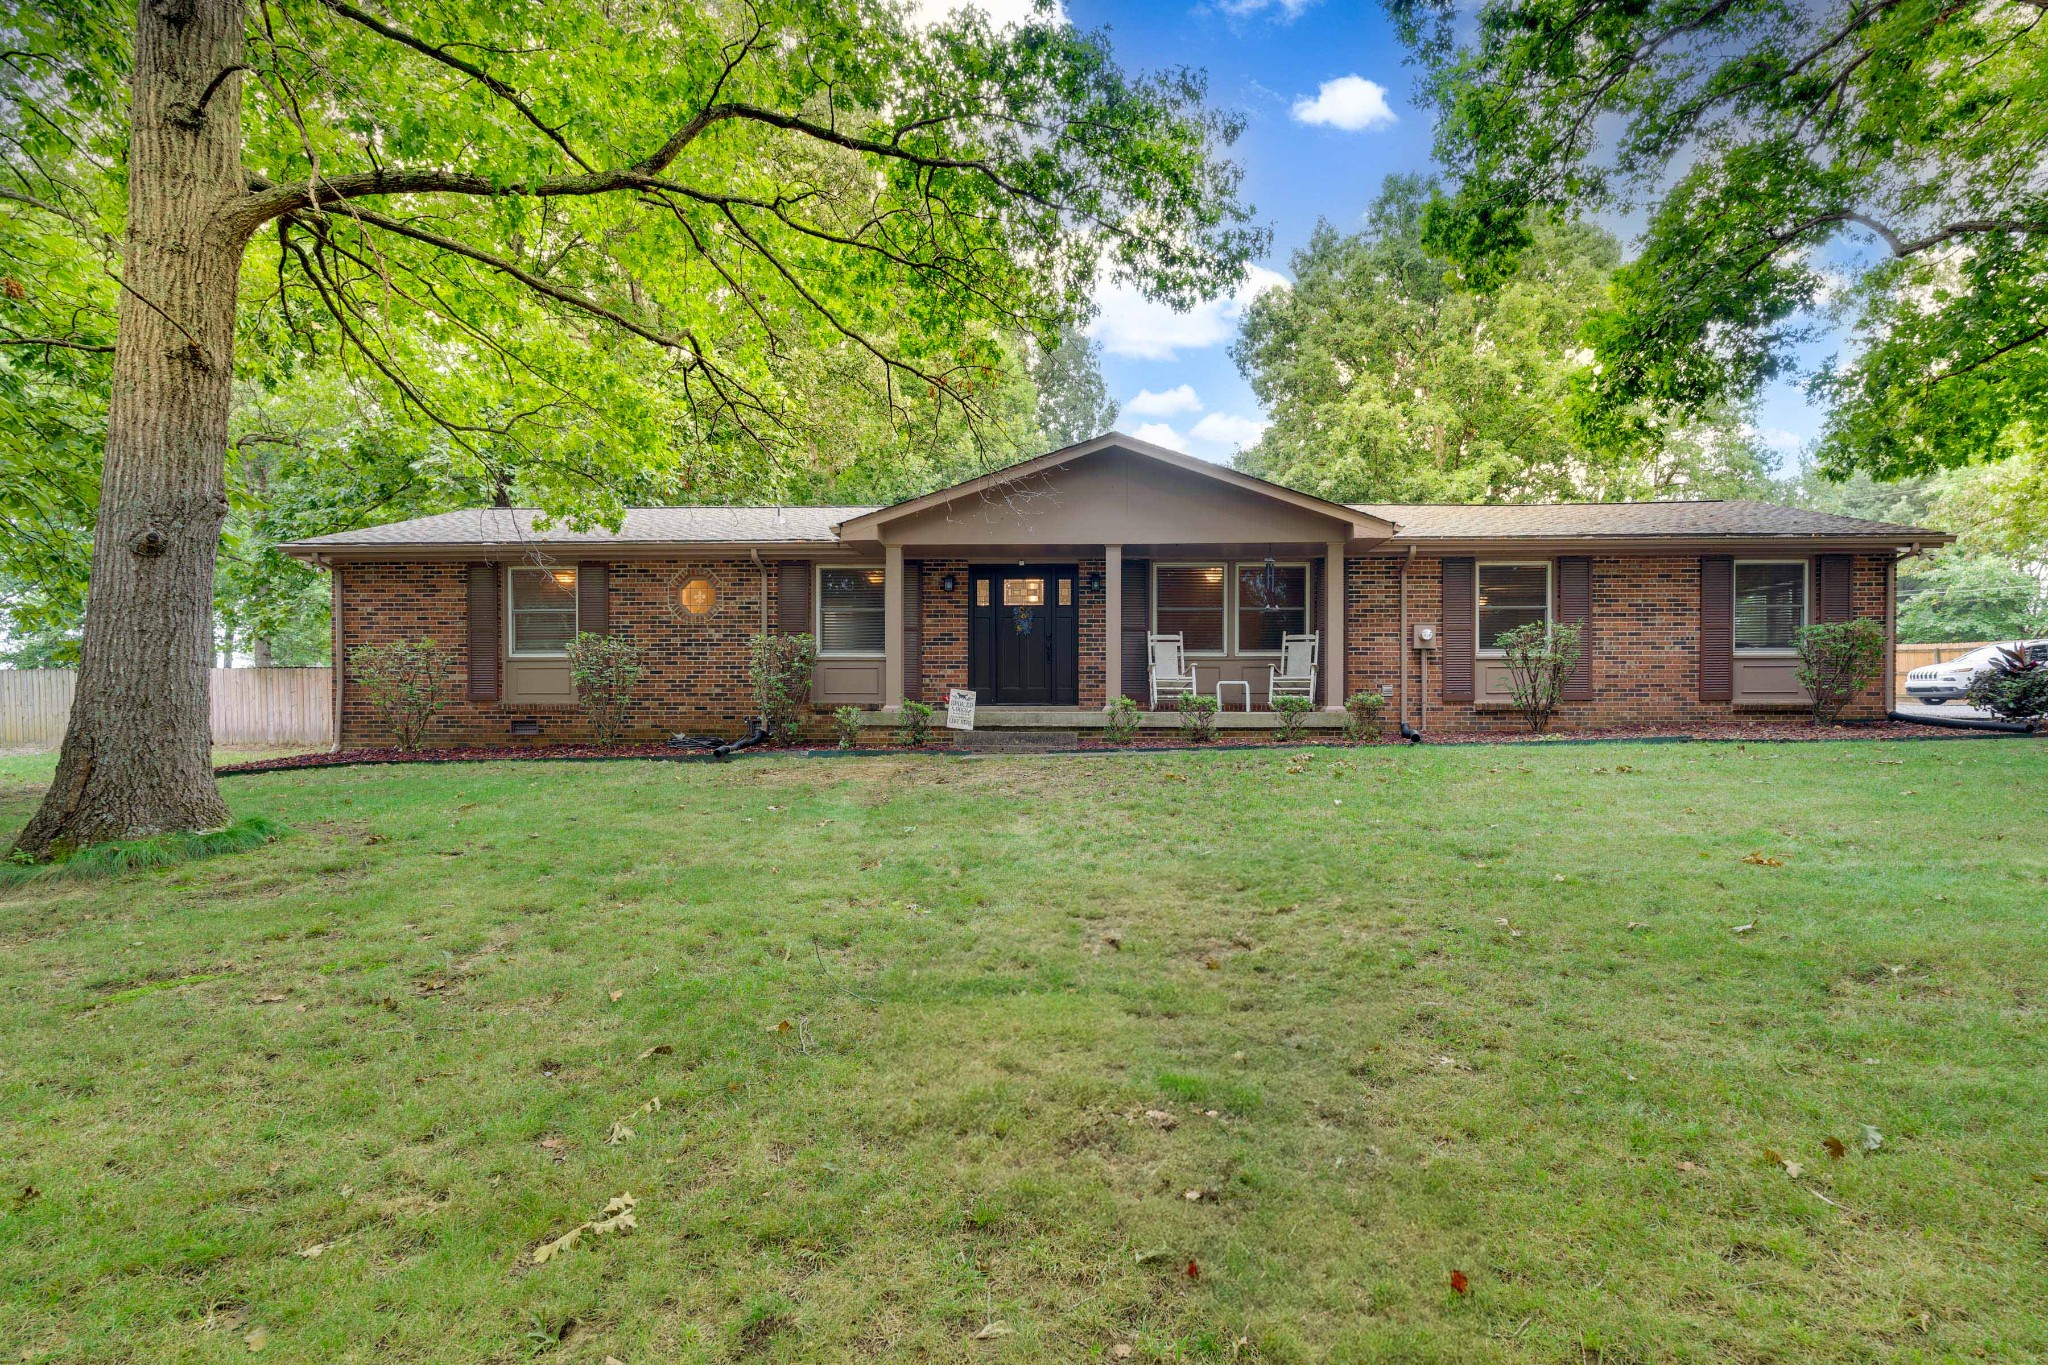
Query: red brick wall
column 1645, row 628
column 696, row 667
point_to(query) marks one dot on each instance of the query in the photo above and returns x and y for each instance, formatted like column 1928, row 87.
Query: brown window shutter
column 1575, row 607
column 1834, row 587
column 593, row 599
column 793, row 597
column 486, row 632
column 1460, row 628
column 1316, row 616
column 1137, row 625
column 1717, row 628
column 913, row 630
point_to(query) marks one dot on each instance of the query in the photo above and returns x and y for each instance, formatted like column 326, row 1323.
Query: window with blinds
column 850, row 611
column 1510, row 596
column 1270, row 605
column 543, row 615
column 1770, row 604
column 1188, row 601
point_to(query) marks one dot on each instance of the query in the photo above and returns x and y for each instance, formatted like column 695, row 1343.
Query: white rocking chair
column 1295, row 674
column 1173, row 677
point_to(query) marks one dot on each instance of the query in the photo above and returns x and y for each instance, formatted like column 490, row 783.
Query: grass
column 117, row 856
column 942, row 1049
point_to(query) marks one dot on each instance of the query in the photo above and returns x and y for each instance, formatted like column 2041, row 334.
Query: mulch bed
column 1789, row 731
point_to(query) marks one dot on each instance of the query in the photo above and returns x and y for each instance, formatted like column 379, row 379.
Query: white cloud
column 1175, row 400
column 1288, row 9
column 1001, row 13
column 1351, row 103
column 1229, row 429
column 1129, row 324
column 1160, row 434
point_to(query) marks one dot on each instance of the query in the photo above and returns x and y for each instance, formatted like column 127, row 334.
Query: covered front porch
column 1041, row 591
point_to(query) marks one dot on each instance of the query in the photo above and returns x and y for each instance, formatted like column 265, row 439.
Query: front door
column 1023, row 636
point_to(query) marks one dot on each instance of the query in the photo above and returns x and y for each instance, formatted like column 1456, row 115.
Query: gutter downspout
column 1401, row 641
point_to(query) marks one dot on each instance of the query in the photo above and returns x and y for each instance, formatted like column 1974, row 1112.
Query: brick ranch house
column 1037, row 586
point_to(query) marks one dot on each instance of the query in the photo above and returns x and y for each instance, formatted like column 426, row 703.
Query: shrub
column 1362, row 715
column 780, row 669
column 2015, row 687
column 407, row 683
column 1838, row 659
column 1197, row 717
column 606, row 669
column 1120, row 722
column 914, row 727
column 1540, row 659
column 846, row 726
column 1293, row 711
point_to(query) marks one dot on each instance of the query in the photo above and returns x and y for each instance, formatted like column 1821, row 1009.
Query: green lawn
column 949, row 1046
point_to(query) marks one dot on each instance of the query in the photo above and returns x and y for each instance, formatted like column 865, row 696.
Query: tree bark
column 137, row 755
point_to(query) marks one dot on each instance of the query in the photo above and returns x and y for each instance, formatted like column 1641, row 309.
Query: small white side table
column 1244, row 687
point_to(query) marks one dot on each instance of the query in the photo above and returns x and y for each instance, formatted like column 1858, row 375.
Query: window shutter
column 793, row 597
column 1834, row 587
column 1316, row 616
column 594, row 599
column 486, row 632
column 913, row 630
column 1459, row 629
column 1575, row 607
column 1717, row 628
column 1137, row 625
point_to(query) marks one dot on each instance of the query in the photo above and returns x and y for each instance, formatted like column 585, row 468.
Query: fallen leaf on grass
column 1835, row 1148
column 616, row 1217
column 1459, row 1284
column 1197, row 1196
column 1122, row 1351
column 658, row 1050
column 652, row 1106
column 270, row 998
column 993, row 1330
column 616, row 995
column 1872, row 1139
column 1161, row 1119
column 256, row 1338
column 619, row 1133
column 1760, row 860
column 1194, row 1271
column 1688, row 1167
column 1743, row 928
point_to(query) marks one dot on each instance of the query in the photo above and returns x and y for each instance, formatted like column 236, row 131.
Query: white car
column 1937, row 683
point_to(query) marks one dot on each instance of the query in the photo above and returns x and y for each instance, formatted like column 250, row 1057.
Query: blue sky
column 1326, row 95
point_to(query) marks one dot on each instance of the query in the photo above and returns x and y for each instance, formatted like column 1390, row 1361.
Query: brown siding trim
column 1460, row 627
column 793, row 597
column 486, row 632
column 913, row 630
column 1137, row 625
column 1575, row 606
column 1833, row 574
column 593, row 599
column 1717, row 628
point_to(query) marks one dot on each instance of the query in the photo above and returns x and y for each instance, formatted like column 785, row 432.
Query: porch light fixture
column 698, row 596
column 948, row 583
column 1095, row 582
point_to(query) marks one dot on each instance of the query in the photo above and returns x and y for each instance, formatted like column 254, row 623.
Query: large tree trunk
column 137, row 755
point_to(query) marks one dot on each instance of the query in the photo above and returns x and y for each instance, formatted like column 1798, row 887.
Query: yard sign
column 960, row 708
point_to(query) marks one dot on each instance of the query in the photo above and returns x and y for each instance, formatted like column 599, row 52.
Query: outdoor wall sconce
column 1095, row 582
column 948, row 583
column 698, row 596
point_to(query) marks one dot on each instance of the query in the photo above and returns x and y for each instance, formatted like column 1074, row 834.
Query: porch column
column 1112, row 623
column 892, row 625
column 1333, row 659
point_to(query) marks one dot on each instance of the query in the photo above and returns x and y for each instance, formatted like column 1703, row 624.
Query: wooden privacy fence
column 1910, row 657
column 250, row 705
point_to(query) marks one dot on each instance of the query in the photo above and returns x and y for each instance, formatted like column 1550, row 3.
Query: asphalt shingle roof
column 497, row 527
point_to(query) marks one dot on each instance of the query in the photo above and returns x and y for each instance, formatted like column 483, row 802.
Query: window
column 543, row 615
column 850, row 611
column 1270, row 607
column 698, row 596
column 1770, row 604
column 1188, row 601
column 1023, row 592
column 1511, row 595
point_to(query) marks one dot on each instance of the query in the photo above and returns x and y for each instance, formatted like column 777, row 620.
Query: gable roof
column 1365, row 525
column 512, row 527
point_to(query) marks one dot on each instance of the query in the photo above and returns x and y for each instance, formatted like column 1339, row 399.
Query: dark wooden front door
column 1024, row 634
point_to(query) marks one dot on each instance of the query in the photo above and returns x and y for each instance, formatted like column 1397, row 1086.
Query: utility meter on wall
column 1425, row 636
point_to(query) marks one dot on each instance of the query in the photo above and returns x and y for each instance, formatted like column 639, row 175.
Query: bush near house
column 1197, row 717
column 779, row 668
column 605, row 669
column 1120, row 722
column 1540, row 658
column 846, row 726
column 407, row 683
column 1837, row 660
column 1362, row 715
column 1292, row 711
column 914, row 728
